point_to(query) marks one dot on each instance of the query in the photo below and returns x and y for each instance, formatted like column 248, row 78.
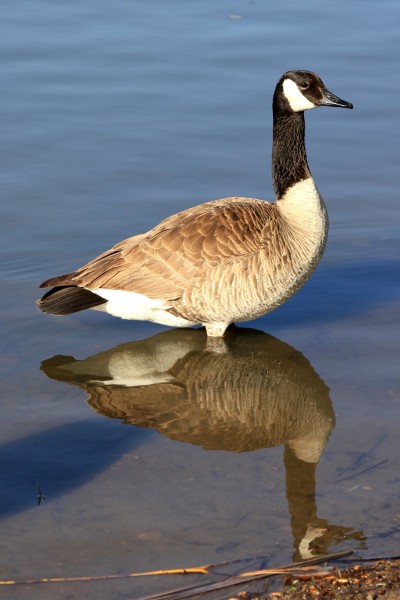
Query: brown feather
column 181, row 251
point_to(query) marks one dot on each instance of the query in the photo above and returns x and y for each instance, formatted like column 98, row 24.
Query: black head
column 298, row 91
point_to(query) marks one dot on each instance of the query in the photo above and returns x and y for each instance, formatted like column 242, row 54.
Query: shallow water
column 113, row 117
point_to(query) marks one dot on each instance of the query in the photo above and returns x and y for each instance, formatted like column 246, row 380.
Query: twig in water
column 293, row 568
column 361, row 472
column 205, row 569
column 39, row 496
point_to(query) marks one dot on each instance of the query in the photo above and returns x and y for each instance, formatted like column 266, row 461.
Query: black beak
column 329, row 99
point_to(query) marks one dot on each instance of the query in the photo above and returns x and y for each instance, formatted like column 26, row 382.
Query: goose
column 224, row 261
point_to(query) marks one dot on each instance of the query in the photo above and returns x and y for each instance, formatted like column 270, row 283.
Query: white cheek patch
column 297, row 101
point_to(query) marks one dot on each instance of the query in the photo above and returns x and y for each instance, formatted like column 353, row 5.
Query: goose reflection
column 250, row 391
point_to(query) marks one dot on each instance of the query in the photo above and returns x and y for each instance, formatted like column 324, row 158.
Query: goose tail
column 64, row 300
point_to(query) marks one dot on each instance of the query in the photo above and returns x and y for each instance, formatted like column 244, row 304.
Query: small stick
column 40, row 496
column 362, row 472
column 291, row 569
column 100, row 577
column 204, row 569
column 373, row 558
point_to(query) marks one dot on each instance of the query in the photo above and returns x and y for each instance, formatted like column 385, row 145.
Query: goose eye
column 304, row 85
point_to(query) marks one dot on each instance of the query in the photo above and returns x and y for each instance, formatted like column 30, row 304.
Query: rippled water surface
column 129, row 447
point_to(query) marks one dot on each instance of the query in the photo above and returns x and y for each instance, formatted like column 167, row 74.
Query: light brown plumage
column 183, row 247
column 189, row 256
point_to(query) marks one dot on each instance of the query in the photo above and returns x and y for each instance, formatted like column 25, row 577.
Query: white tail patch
column 137, row 307
column 296, row 99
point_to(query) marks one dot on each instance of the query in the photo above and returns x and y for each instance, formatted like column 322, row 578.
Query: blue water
column 113, row 116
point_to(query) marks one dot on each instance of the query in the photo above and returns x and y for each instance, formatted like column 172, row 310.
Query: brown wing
column 182, row 249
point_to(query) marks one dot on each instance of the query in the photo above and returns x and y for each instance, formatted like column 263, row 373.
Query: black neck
column 289, row 159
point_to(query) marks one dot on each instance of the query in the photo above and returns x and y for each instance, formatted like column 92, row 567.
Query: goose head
column 298, row 91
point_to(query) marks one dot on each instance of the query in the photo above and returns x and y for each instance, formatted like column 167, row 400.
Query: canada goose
column 224, row 261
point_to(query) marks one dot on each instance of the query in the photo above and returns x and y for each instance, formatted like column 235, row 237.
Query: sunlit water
column 150, row 452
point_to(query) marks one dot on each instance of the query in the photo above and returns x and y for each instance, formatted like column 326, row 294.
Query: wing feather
column 183, row 249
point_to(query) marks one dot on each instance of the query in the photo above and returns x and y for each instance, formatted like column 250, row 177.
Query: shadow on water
column 342, row 292
column 58, row 460
column 244, row 393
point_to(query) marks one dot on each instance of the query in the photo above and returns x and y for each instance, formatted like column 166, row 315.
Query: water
column 114, row 116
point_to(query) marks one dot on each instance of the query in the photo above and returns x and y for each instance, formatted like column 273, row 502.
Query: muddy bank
column 380, row 579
